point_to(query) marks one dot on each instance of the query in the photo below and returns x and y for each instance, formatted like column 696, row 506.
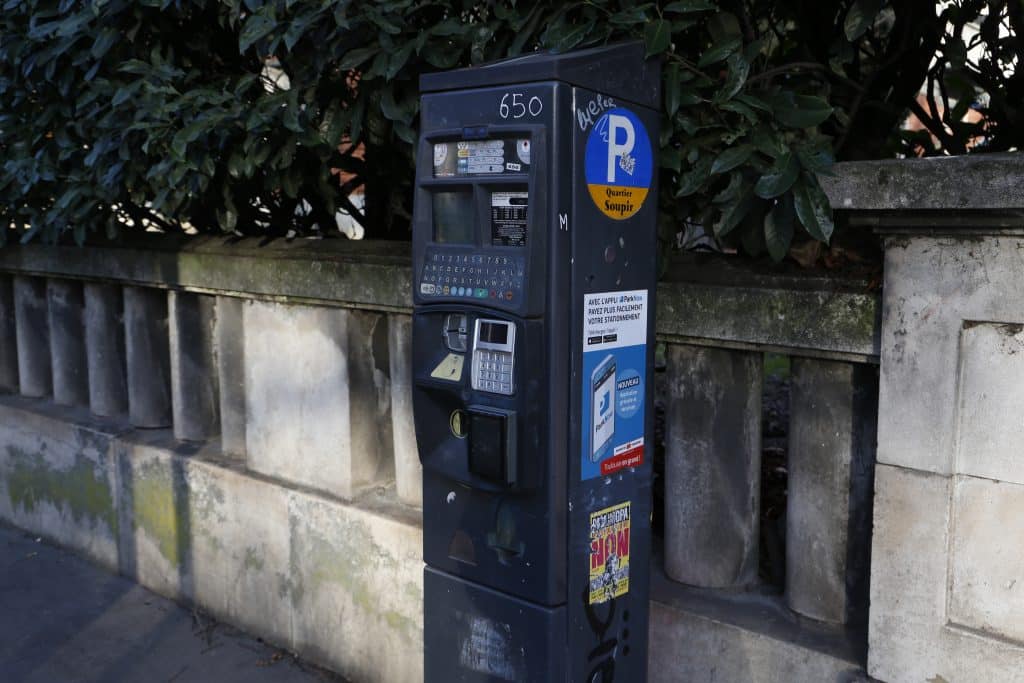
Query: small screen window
column 454, row 214
column 487, row 446
column 494, row 333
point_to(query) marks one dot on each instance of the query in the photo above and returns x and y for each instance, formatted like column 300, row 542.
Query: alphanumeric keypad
column 473, row 276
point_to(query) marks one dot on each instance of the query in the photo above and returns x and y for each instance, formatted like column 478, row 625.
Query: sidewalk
column 63, row 619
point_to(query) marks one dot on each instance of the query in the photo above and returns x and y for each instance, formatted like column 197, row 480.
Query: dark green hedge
column 148, row 112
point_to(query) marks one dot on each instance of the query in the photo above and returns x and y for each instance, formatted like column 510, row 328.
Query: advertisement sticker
column 614, row 368
column 609, row 553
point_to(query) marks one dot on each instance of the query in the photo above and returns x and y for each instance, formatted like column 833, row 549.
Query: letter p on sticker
column 615, row 150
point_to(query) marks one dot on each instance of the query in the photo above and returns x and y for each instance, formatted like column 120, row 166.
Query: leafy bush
column 161, row 112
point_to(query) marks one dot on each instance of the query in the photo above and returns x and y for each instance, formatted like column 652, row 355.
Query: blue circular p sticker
column 619, row 164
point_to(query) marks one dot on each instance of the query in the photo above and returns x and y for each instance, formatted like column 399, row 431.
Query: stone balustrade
column 290, row 362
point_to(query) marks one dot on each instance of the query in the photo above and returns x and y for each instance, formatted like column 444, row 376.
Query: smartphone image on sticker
column 602, row 408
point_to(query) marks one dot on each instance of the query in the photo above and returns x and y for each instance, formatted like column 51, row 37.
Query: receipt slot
column 533, row 288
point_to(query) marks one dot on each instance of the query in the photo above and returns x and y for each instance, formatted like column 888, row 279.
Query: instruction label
column 614, row 373
column 508, row 218
column 609, row 553
column 619, row 164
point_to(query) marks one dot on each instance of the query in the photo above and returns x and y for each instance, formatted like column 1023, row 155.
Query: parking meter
column 534, row 278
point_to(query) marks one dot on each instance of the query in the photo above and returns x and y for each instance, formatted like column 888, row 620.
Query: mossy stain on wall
column 158, row 513
column 82, row 490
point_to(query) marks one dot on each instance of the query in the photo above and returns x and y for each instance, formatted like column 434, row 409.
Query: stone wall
column 243, row 436
column 948, row 560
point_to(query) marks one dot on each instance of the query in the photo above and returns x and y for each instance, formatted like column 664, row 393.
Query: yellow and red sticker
column 619, row 164
column 609, row 553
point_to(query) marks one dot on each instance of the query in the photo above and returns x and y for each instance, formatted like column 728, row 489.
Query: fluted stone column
column 712, row 466
column 833, row 409
column 230, row 341
column 193, row 365
column 8, row 337
column 148, row 357
column 35, row 378
column 408, row 471
column 105, row 352
column 67, row 342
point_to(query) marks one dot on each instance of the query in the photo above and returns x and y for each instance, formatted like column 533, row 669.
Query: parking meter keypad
column 472, row 276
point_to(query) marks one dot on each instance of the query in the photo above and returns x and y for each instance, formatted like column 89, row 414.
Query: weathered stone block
column 991, row 394
column 105, row 352
column 408, row 470
column 712, row 466
column 987, row 558
column 933, row 285
column 317, row 396
column 831, row 461
column 155, row 518
column 66, row 310
column 148, row 357
column 230, row 340
column 58, row 480
column 911, row 637
column 35, row 378
column 194, row 398
column 358, row 593
column 691, row 647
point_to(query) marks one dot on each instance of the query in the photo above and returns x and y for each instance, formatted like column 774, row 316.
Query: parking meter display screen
column 508, row 218
column 454, row 216
column 493, row 333
column 481, row 157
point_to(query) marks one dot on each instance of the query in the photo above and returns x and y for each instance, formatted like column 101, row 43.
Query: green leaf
column 719, row 52
column 670, row 158
column 812, row 208
column 860, row 17
column 356, row 57
column 692, row 181
column 672, row 89
column 780, row 178
column 779, row 228
column 739, row 69
column 731, row 158
column 818, row 159
column 801, row 111
column 733, row 213
column 739, row 108
column 256, row 27
column 657, row 36
column 731, row 191
column 685, row 6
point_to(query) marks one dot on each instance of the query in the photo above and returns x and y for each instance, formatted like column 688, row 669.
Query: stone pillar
column 193, row 365
column 833, row 409
column 369, row 372
column 148, row 357
column 105, row 353
column 317, row 396
column 67, row 342
column 230, row 342
column 8, row 337
column 712, row 466
column 35, row 378
column 408, row 471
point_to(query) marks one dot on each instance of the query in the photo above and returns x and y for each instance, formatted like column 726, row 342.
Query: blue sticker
column 619, row 164
column 614, row 367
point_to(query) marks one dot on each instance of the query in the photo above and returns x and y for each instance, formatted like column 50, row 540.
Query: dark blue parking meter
column 534, row 278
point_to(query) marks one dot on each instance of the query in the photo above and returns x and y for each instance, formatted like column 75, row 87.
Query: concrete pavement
column 63, row 619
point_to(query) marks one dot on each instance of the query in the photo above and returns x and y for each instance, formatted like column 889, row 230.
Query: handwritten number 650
column 512, row 106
